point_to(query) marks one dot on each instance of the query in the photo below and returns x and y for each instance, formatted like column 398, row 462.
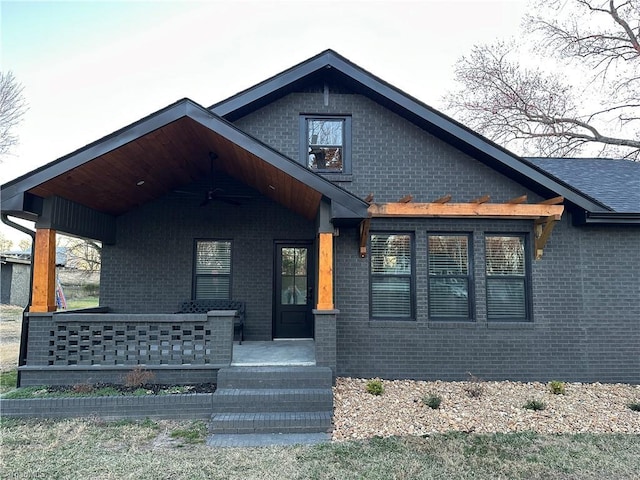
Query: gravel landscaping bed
column 481, row 407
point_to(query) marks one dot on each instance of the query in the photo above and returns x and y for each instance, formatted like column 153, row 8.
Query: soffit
column 167, row 158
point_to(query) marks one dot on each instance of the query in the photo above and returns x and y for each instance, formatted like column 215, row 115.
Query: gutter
column 24, row 334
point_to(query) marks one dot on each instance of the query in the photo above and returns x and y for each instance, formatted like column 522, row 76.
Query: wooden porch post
column 325, row 271
column 44, row 271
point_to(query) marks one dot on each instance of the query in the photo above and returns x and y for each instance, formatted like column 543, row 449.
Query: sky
column 92, row 67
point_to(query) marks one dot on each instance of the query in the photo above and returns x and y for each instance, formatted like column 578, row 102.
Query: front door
column 293, row 291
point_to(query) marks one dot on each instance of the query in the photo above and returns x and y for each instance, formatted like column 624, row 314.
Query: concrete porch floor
column 276, row 352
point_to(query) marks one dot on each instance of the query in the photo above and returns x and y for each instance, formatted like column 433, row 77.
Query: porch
column 66, row 348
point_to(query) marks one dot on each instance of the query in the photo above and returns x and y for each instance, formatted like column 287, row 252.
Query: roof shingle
column 613, row 182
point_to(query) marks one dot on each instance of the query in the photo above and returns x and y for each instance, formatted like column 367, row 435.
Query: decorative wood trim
column 325, row 271
column 44, row 271
column 466, row 210
column 544, row 213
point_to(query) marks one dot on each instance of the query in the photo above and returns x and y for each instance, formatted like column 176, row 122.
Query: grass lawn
column 164, row 449
column 86, row 302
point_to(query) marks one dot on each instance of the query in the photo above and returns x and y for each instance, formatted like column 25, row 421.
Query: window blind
column 391, row 276
column 448, row 276
column 506, row 278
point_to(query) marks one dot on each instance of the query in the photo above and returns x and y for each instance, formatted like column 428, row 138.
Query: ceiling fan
column 217, row 194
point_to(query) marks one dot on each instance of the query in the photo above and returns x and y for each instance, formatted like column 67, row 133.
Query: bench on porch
column 204, row 306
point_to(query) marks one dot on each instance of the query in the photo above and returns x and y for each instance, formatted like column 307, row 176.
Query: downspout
column 24, row 335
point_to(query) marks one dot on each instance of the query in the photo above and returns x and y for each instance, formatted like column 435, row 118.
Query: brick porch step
column 265, row 400
column 271, row 422
column 275, row 377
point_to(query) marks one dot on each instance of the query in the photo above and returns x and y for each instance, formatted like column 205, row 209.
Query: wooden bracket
column 364, row 236
column 543, row 227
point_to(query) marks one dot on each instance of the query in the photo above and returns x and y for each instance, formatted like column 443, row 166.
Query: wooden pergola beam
column 552, row 201
column 44, row 271
column 445, row 199
column 466, row 210
column 483, row 199
column 517, row 200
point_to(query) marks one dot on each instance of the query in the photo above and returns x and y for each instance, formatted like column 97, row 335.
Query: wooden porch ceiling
column 169, row 158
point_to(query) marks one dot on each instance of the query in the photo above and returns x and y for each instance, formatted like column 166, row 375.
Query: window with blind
column 391, row 268
column 212, row 270
column 449, row 281
column 506, row 270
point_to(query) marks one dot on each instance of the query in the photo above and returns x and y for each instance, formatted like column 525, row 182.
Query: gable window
column 325, row 143
column 391, row 271
column 507, row 279
column 449, row 277
column 212, row 270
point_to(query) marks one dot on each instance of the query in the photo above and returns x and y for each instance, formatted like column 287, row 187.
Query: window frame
column 526, row 278
column 195, row 275
column 469, row 277
column 411, row 276
column 346, row 142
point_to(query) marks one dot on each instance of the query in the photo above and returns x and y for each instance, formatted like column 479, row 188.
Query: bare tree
column 12, row 108
column 82, row 254
column 5, row 243
column 24, row 245
column 571, row 85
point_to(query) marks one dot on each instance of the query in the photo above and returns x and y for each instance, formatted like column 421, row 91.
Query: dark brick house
column 337, row 207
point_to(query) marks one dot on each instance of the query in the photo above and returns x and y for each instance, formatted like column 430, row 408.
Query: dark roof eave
column 608, row 218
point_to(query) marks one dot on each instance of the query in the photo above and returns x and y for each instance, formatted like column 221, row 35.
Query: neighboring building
column 335, row 206
column 16, row 272
column 14, row 280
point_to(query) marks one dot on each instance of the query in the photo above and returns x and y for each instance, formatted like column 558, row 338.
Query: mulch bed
column 151, row 389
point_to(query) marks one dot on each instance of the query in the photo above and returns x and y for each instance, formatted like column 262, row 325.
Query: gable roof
column 329, row 65
column 167, row 149
column 170, row 148
column 613, row 182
